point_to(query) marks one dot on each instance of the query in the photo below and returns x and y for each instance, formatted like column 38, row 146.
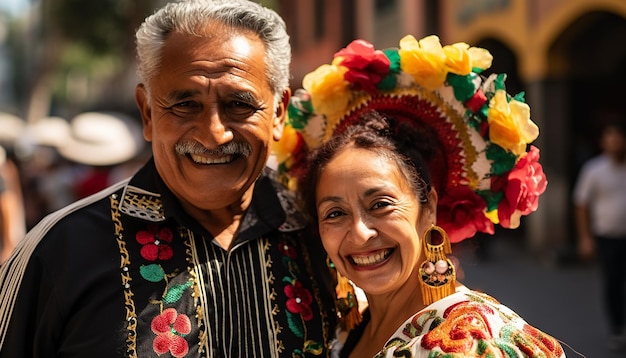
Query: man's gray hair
column 188, row 17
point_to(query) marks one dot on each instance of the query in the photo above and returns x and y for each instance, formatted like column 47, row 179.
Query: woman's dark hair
column 376, row 133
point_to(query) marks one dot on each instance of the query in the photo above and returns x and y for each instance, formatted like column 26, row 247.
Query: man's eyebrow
column 177, row 95
column 246, row 96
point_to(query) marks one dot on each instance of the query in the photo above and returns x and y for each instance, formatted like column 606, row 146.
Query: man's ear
column 281, row 115
column 143, row 103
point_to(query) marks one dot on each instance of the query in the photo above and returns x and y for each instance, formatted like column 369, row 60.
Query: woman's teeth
column 372, row 259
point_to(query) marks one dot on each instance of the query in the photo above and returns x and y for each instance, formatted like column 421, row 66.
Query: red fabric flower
column 477, row 101
column 460, row 212
column 155, row 243
column 170, row 328
column 299, row 300
column 366, row 65
column 522, row 188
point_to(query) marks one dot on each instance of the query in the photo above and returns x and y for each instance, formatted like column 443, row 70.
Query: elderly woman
column 408, row 150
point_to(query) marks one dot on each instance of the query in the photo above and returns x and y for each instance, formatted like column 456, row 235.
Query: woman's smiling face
column 370, row 220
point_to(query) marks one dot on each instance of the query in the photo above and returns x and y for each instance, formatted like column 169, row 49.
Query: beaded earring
column 346, row 303
column 437, row 273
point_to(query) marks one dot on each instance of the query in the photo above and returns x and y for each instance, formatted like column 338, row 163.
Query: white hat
column 51, row 131
column 102, row 138
column 11, row 128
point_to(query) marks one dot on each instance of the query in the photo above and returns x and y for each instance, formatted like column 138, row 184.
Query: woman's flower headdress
column 483, row 168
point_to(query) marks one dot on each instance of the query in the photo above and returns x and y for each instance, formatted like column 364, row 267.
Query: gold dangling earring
column 346, row 304
column 437, row 273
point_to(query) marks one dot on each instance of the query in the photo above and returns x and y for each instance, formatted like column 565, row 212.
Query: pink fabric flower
column 155, row 243
column 460, row 212
column 299, row 300
column 366, row 65
column 522, row 188
column 170, row 328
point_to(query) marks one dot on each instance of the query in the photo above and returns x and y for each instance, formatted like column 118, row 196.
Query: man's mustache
column 231, row 148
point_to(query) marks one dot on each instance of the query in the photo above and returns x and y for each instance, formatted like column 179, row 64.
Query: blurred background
column 62, row 59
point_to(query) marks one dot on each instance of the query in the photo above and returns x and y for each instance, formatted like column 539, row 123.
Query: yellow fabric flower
column 425, row 60
column 328, row 89
column 481, row 58
column 286, row 145
column 509, row 123
column 458, row 58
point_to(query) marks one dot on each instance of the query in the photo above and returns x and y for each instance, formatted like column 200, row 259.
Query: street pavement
column 563, row 300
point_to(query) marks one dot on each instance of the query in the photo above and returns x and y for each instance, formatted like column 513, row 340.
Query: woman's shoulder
column 469, row 323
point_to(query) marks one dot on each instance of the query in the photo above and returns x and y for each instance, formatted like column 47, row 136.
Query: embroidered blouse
column 464, row 324
column 126, row 273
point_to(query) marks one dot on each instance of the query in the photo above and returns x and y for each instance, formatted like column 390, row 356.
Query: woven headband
column 484, row 169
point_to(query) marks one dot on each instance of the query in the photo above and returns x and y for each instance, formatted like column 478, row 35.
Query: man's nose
column 214, row 130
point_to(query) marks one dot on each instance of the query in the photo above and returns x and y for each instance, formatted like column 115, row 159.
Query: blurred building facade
column 566, row 55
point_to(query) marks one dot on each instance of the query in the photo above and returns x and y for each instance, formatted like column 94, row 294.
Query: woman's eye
column 380, row 204
column 333, row 214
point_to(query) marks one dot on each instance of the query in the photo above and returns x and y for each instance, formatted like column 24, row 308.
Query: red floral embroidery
column 299, row 301
column 170, row 328
column 287, row 250
column 537, row 343
column 465, row 322
column 155, row 243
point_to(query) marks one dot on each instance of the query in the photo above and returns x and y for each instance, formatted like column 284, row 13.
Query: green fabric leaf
column 503, row 161
column 491, row 199
column 464, row 86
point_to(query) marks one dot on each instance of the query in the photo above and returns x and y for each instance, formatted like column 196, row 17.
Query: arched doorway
column 586, row 63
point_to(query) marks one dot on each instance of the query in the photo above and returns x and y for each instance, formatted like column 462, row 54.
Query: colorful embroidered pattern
column 469, row 324
column 169, row 326
column 299, row 300
column 155, row 243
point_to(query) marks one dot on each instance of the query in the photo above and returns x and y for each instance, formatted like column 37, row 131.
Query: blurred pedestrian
column 600, row 211
column 201, row 253
column 12, row 223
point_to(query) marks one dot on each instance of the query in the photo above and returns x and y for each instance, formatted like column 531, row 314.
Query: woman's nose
column 363, row 231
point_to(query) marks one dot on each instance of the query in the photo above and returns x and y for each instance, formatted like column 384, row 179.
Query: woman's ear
column 430, row 207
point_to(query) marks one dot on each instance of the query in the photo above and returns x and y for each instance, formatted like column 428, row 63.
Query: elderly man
column 201, row 253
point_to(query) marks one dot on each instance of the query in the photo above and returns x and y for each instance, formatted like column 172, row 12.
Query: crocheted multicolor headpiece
column 483, row 168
